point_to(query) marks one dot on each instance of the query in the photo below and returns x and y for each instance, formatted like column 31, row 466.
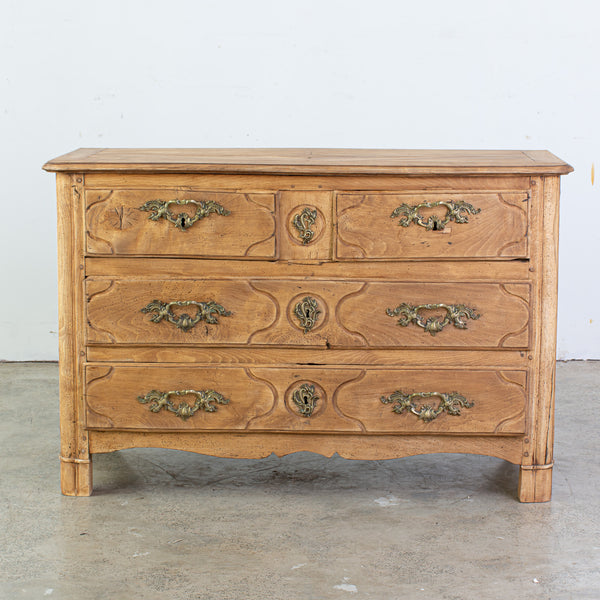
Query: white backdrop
column 516, row 74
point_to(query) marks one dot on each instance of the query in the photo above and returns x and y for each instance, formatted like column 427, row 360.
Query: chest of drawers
column 377, row 304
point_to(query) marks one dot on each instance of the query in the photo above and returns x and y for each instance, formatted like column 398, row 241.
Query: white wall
column 346, row 73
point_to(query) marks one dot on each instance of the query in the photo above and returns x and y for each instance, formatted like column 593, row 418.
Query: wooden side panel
column 535, row 482
column 75, row 467
column 366, row 229
column 264, row 399
column 116, row 225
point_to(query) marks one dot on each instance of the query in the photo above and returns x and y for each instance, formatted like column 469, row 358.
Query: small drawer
column 285, row 399
column 432, row 225
column 173, row 222
column 259, row 312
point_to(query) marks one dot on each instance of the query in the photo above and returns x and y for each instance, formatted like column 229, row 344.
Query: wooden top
column 307, row 161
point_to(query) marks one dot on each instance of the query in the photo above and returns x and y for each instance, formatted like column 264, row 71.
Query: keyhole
column 435, row 226
column 182, row 222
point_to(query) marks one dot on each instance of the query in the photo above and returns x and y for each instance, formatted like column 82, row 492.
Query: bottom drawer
column 306, row 399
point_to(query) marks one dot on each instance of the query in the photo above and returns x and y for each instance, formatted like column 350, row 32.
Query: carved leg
column 535, row 483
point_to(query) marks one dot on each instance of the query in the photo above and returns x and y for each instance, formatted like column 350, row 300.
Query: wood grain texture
column 504, row 320
column 303, row 356
column 273, row 183
column 352, row 313
column 261, row 399
column 116, row 225
column 499, row 229
column 400, row 271
column 309, row 160
column 352, row 446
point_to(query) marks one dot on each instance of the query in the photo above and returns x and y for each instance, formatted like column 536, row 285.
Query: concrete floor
column 167, row 524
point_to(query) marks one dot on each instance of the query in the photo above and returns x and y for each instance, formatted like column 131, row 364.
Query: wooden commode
column 373, row 303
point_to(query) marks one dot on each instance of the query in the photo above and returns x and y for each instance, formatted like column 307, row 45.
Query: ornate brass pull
column 302, row 222
column 183, row 221
column 455, row 314
column 307, row 312
column 455, row 211
column 206, row 311
column 450, row 403
column 204, row 400
column 305, row 399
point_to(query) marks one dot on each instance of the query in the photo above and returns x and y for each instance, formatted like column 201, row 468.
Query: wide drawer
column 446, row 225
column 259, row 312
column 337, row 399
column 179, row 222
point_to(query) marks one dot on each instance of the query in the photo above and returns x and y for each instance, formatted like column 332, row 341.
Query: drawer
column 177, row 222
column 337, row 399
column 258, row 312
column 445, row 225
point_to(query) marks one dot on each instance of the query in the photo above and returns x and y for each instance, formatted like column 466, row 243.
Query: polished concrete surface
column 168, row 524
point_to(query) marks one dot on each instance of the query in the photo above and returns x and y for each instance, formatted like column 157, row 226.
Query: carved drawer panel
column 351, row 400
column 176, row 222
column 260, row 312
column 486, row 315
column 400, row 226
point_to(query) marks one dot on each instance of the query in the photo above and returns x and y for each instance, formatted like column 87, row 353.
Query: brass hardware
column 205, row 312
column 455, row 314
column 158, row 400
column 183, row 221
column 302, row 222
column 450, row 403
column 456, row 211
column 307, row 312
column 305, row 399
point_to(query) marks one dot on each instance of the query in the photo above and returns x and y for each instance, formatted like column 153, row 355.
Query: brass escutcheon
column 303, row 222
column 305, row 399
column 455, row 211
column 205, row 311
column 204, row 401
column 183, row 221
column 307, row 311
column 450, row 403
column 455, row 314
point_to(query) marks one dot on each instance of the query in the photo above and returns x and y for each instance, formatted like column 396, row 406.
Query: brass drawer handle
column 206, row 311
column 455, row 314
column 159, row 400
column 183, row 221
column 305, row 399
column 450, row 403
column 302, row 222
column 455, row 211
column 307, row 312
